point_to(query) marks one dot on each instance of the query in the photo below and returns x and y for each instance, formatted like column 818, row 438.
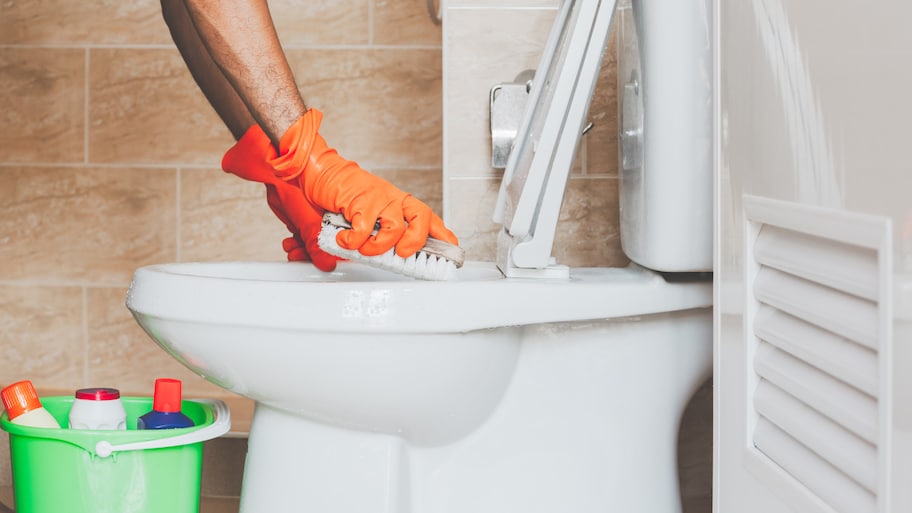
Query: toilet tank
column 665, row 129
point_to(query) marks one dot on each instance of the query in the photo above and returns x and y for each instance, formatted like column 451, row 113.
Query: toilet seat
column 364, row 299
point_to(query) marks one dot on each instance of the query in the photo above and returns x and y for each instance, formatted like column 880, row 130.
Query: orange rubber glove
column 338, row 185
column 248, row 159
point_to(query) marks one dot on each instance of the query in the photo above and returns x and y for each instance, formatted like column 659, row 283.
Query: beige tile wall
column 491, row 42
column 109, row 160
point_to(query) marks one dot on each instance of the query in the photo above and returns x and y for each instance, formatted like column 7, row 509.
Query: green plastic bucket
column 127, row 471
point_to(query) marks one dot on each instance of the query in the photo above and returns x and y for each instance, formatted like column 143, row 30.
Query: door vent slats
column 848, row 316
column 816, row 282
column 848, row 453
column 833, row 487
column 848, row 407
column 835, row 355
column 838, row 265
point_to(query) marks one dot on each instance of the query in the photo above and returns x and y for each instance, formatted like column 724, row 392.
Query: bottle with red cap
column 166, row 407
column 24, row 408
column 97, row 408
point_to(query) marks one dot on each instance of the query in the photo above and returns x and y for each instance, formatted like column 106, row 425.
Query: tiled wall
column 109, row 160
column 488, row 42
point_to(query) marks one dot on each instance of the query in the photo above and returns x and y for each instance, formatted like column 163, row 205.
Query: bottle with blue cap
column 166, row 407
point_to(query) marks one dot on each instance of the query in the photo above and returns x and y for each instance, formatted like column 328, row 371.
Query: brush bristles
column 421, row 265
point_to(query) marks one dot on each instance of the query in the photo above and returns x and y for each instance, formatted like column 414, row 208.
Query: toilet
column 519, row 386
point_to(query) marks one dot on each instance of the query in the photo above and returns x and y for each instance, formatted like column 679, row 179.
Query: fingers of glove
column 298, row 255
column 295, row 250
column 307, row 223
column 303, row 218
column 440, row 232
column 418, row 216
column 362, row 226
column 310, row 222
column 309, row 252
column 392, row 227
column 321, row 259
column 432, row 225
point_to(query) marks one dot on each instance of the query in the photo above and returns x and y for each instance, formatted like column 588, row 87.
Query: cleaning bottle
column 166, row 407
column 97, row 408
column 24, row 408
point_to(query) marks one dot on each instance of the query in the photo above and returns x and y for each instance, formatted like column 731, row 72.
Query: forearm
column 241, row 39
column 208, row 76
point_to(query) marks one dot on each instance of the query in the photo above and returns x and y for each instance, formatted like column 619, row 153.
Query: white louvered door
column 817, row 328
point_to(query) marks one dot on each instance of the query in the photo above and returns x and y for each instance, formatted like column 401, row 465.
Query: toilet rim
column 360, row 299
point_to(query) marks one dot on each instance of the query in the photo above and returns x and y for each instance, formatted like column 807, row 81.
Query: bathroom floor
column 219, row 505
column 223, row 470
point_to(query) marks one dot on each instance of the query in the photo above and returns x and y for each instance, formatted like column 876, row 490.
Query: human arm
column 240, row 38
column 242, row 41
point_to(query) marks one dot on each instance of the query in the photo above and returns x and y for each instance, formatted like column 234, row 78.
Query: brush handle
column 433, row 246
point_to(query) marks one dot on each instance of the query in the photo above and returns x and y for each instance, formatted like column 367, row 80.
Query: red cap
column 167, row 398
column 98, row 394
column 20, row 398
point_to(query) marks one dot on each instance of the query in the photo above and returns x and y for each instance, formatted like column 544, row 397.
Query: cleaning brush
column 437, row 260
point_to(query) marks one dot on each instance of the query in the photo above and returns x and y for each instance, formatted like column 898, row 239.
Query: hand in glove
column 332, row 183
column 248, row 159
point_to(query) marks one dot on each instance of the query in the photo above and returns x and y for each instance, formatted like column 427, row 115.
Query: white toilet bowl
column 383, row 394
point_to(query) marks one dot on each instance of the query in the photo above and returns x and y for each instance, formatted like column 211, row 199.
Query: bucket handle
column 219, row 427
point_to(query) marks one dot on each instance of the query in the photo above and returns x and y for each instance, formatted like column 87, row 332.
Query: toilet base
column 588, row 424
column 297, row 465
